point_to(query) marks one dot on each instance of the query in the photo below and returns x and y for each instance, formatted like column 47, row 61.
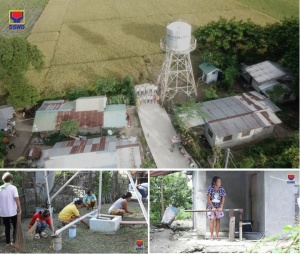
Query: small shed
column 210, row 72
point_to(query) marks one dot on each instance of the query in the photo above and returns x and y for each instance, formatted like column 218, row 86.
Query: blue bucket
column 72, row 232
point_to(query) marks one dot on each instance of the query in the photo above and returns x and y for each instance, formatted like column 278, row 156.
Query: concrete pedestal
column 109, row 223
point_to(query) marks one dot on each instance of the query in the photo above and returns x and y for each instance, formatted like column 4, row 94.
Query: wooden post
column 162, row 196
column 231, row 225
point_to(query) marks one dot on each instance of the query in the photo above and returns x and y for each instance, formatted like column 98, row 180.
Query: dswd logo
column 291, row 178
column 140, row 244
column 16, row 19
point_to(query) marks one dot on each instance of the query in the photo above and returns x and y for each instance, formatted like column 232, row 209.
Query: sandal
column 37, row 236
column 43, row 234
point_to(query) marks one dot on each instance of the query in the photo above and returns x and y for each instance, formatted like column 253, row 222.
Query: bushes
column 117, row 91
column 210, row 94
column 273, row 153
column 176, row 192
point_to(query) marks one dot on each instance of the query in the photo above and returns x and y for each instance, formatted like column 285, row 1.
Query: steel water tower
column 177, row 73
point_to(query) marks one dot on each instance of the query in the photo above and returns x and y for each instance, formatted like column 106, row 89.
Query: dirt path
column 87, row 241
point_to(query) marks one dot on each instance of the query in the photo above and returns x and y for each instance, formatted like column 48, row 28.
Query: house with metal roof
column 264, row 76
column 209, row 72
column 235, row 120
column 6, row 113
column 102, row 152
column 92, row 113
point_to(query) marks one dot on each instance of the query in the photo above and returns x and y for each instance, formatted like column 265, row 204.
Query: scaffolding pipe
column 78, row 172
column 57, row 232
column 138, row 198
column 49, row 199
column 100, row 191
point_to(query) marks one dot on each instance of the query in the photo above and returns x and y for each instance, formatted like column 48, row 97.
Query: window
column 227, row 138
column 214, row 72
column 246, row 133
column 210, row 133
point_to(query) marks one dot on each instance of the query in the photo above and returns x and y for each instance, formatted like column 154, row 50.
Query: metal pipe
column 137, row 195
column 57, row 232
column 100, row 191
column 133, row 222
column 224, row 210
column 78, row 172
column 49, row 199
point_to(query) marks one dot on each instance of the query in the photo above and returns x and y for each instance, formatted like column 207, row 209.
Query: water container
column 57, row 242
column 72, row 231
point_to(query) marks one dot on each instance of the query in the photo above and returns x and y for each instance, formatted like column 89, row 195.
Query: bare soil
column 87, row 241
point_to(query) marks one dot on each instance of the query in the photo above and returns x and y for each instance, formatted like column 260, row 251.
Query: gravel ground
column 87, row 241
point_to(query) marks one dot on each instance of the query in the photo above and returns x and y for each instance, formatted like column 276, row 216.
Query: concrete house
column 264, row 76
column 236, row 120
column 210, row 72
column 267, row 198
column 92, row 113
column 6, row 113
column 102, row 152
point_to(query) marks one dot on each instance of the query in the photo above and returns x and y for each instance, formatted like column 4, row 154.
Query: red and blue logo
column 16, row 19
column 291, row 178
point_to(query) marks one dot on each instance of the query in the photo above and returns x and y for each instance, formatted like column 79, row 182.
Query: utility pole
column 227, row 157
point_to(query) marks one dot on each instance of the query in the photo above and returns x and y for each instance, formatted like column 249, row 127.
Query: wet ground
column 87, row 241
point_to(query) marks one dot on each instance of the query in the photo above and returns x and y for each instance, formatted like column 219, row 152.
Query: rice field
column 82, row 39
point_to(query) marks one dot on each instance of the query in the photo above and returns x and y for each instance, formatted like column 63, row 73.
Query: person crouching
column 42, row 219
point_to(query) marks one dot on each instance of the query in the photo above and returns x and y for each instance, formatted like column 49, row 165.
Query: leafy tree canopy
column 16, row 55
column 69, row 127
column 21, row 94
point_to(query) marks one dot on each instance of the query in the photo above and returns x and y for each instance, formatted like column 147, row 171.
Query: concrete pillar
column 199, row 202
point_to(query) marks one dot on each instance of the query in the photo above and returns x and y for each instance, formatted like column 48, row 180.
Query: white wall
column 237, row 139
column 279, row 201
column 212, row 78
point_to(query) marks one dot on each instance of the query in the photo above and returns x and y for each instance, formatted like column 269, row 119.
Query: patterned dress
column 216, row 198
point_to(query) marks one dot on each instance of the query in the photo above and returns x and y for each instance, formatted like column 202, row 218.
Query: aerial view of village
column 149, row 84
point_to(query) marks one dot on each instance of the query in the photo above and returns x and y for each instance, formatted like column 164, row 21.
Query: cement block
column 105, row 225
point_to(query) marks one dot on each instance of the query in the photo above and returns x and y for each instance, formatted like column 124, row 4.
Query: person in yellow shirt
column 71, row 212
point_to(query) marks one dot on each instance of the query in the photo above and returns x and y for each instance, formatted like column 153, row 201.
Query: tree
column 16, row 56
column 20, row 94
column 282, row 39
column 69, row 127
column 3, row 145
column 176, row 192
column 225, row 43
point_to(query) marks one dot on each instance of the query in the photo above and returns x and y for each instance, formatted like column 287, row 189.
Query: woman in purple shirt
column 215, row 202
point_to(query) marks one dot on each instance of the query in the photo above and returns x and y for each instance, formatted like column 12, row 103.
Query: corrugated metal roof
column 236, row 114
column 207, row 67
column 115, row 116
column 84, row 118
column 52, row 105
column 44, row 121
column 6, row 112
column 97, row 103
column 264, row 71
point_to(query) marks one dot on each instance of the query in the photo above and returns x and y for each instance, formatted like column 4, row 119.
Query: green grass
column 275, row 8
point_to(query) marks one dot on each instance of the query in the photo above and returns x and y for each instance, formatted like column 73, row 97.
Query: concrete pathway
column 158, row 130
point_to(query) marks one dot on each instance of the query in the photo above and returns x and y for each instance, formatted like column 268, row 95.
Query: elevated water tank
column 178, row 36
